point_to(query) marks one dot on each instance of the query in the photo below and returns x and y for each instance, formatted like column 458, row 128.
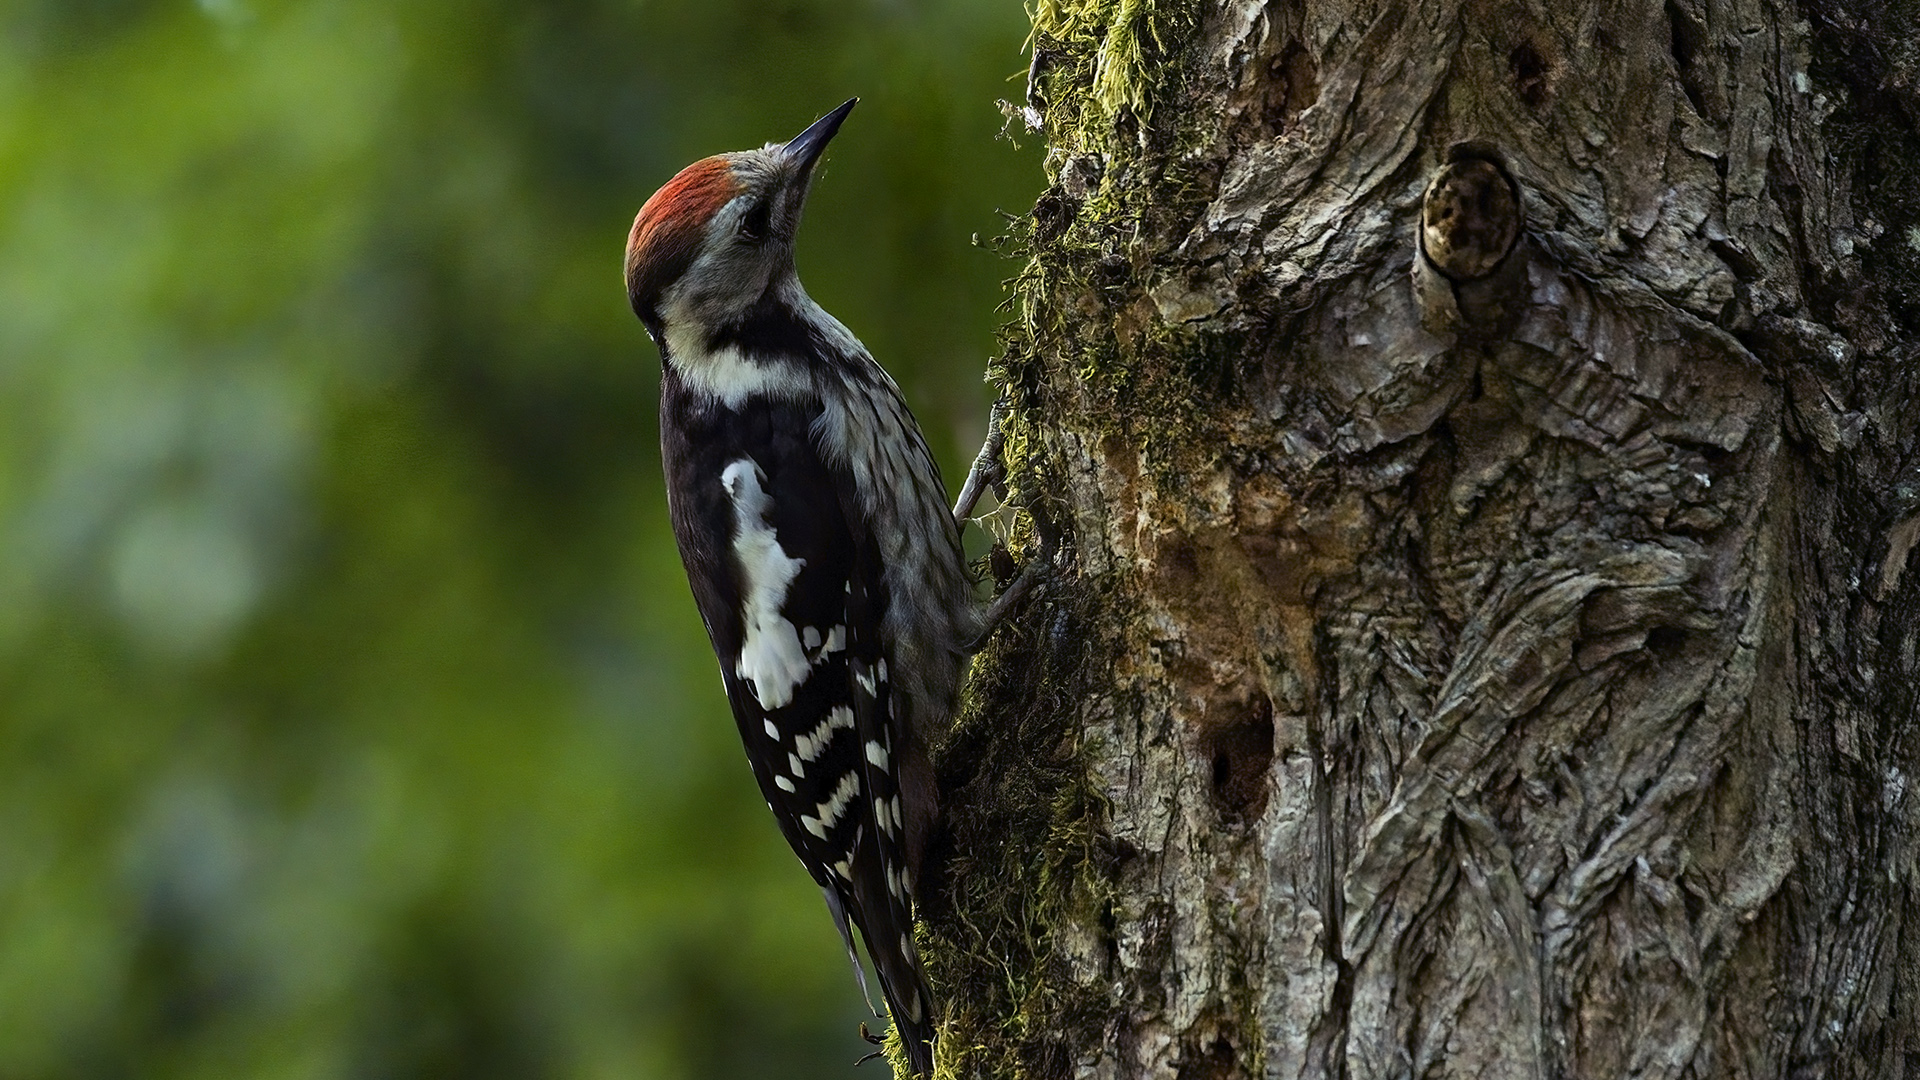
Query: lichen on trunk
column 1479, row 644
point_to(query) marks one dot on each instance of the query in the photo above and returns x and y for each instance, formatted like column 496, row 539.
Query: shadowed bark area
column 1483, row 441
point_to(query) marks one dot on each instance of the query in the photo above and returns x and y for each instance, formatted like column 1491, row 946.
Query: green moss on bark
column 1022, row 911
column 1026, row 860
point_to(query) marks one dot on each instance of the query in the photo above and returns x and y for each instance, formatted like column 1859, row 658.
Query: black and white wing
column 787, row 577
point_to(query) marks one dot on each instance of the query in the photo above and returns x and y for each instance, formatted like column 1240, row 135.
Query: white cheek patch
column 771, row 658
column 727, row 373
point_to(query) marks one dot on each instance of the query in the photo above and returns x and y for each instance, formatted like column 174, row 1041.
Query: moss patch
column 1021, row 912
column 1023, row 859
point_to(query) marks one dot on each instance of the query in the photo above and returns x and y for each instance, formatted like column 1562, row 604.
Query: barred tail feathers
column 886, row 926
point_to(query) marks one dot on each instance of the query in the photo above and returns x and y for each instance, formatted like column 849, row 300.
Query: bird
column 824, row 560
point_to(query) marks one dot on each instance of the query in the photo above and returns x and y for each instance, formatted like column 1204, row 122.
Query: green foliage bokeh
column 354, row 717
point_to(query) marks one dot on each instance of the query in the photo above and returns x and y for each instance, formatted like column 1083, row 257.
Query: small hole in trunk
column 1240, row 750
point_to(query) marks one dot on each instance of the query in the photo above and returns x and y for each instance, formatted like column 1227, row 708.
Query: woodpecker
column 813, row 524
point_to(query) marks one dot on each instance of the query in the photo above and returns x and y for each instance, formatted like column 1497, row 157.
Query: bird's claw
column 870, row 1039
column 988, row 470
column 1037, row 570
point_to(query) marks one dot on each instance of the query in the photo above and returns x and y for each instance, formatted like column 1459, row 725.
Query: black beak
column 805, row 148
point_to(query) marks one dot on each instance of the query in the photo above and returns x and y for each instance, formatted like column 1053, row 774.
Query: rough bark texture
column 1503, row 677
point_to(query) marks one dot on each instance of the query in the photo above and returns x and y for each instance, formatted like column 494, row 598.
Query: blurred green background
column 354, row 717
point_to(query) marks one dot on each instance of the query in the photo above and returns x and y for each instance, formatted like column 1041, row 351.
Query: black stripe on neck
column 770, row 326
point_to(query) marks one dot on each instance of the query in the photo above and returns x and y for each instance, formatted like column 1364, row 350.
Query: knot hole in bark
column 1469, row 218
column 1532, row 73
column 1238, row 744
column 1292, row 84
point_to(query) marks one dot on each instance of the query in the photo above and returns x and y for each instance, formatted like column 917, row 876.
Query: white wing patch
column 771, row 658
column 819, row 649
column 836, row 804
column 810, row 745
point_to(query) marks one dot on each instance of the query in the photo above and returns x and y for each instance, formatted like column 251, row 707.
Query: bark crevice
column 1495, row 665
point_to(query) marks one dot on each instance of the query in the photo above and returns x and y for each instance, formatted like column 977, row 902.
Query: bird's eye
column 753, row 227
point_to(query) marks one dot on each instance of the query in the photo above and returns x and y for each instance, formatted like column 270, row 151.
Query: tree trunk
column 1481, row 439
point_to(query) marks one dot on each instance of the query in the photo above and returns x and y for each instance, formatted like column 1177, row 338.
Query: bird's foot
column 1003, row 605
column 1037, row 571
column 988, row 470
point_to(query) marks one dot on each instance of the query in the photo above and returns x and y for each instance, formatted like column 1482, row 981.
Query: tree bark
column 1482, row 643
